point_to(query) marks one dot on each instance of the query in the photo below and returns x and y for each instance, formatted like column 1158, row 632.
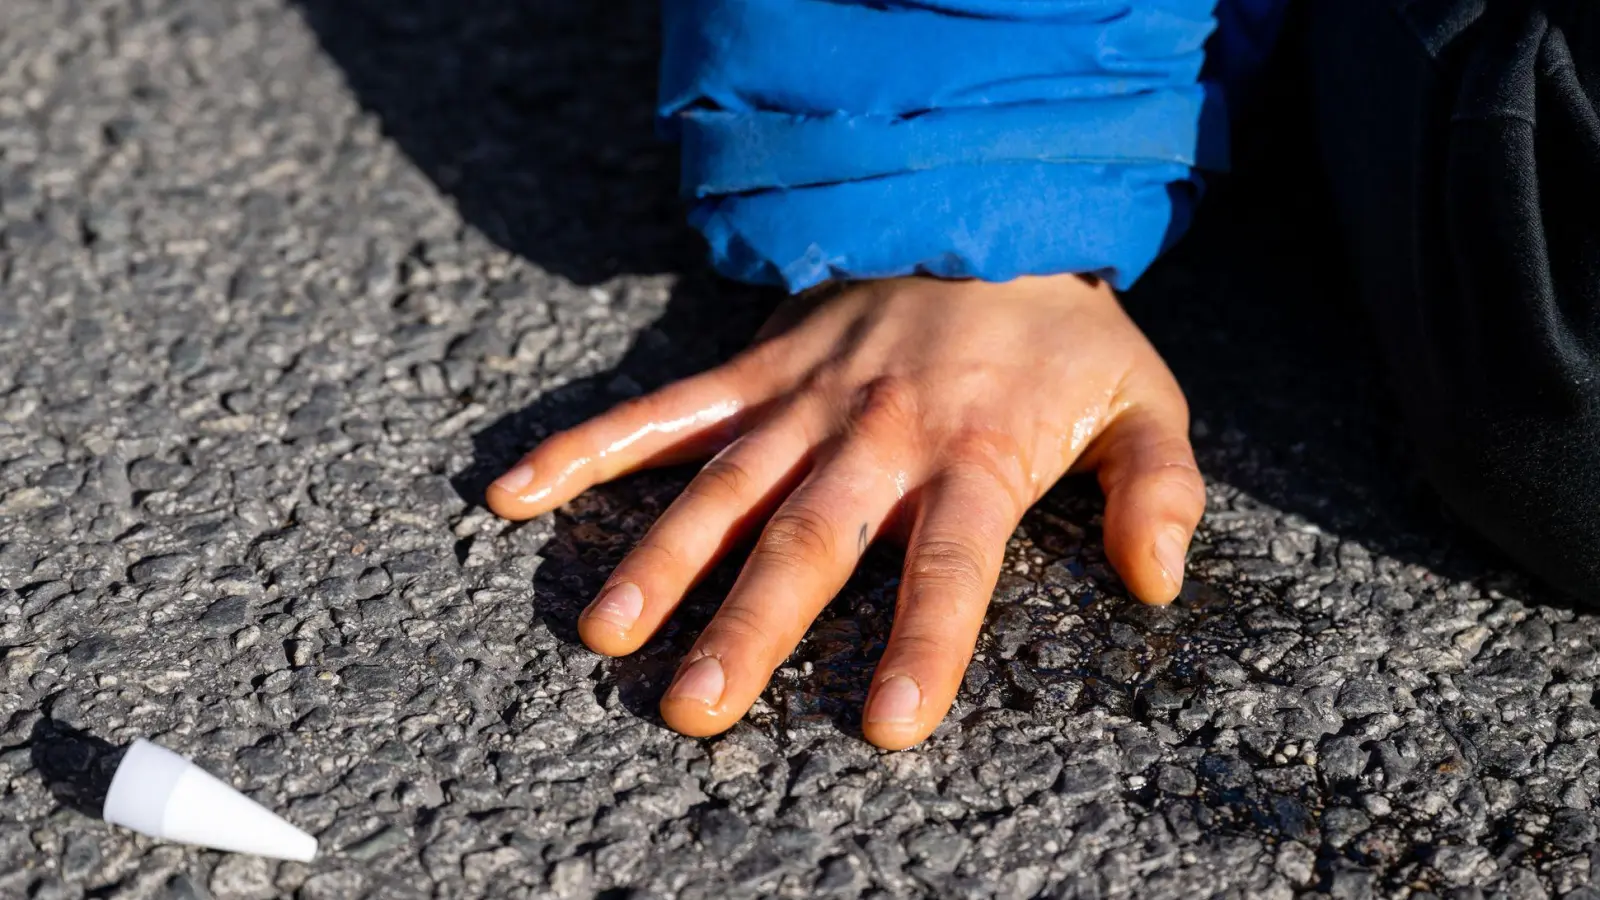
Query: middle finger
column 803, row 558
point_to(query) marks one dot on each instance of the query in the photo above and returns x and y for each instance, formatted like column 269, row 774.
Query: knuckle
column 742, row 627
column 1173, row 448
column 722, row 480
column 974, row 446
column 888, row 402
column 996, row 453
column 991, row 465
column 651, row 554
column 928, row 653
column 913, row 647
column 1179, row 477
column 1135, row 454
column 828, row 380
column 946, row 564
column 798, row 535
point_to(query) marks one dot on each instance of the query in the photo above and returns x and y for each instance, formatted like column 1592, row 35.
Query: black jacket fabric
column 1463, row 146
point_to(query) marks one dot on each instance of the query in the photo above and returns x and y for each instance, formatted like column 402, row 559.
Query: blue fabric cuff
column 728, row 153
column 995, row 222
column 831, row 139
column 824, row 56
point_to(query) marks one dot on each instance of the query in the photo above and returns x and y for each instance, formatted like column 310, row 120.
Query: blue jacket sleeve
column 851, row 139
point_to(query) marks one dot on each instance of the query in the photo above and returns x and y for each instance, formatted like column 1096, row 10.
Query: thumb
column 1154, row 497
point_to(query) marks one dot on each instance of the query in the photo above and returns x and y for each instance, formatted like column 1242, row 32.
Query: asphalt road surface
column 282, row 284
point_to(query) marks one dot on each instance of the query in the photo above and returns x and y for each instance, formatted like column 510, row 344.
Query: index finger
column 682, row 421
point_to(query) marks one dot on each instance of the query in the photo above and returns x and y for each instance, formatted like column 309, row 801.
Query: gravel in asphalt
column 282, row 285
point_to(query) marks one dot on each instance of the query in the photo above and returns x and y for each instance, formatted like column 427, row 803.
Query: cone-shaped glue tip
column 161, row 794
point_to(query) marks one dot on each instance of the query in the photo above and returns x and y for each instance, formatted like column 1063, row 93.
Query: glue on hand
column 161, row 794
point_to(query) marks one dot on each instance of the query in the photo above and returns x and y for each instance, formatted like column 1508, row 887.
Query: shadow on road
column 76, row 766
column 536, row 118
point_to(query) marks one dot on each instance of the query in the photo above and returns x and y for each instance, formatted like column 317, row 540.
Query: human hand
column 934, row 411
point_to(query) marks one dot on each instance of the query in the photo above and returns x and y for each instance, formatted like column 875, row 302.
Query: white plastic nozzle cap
column 161, row 794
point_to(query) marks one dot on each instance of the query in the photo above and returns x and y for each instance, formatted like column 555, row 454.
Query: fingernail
column 515, row 480
column 620, row 605
column 1171, row 548
column 897, row 701
column 702, row 682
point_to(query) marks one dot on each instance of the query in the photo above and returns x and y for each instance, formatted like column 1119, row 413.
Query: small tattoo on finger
column 861, row 541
